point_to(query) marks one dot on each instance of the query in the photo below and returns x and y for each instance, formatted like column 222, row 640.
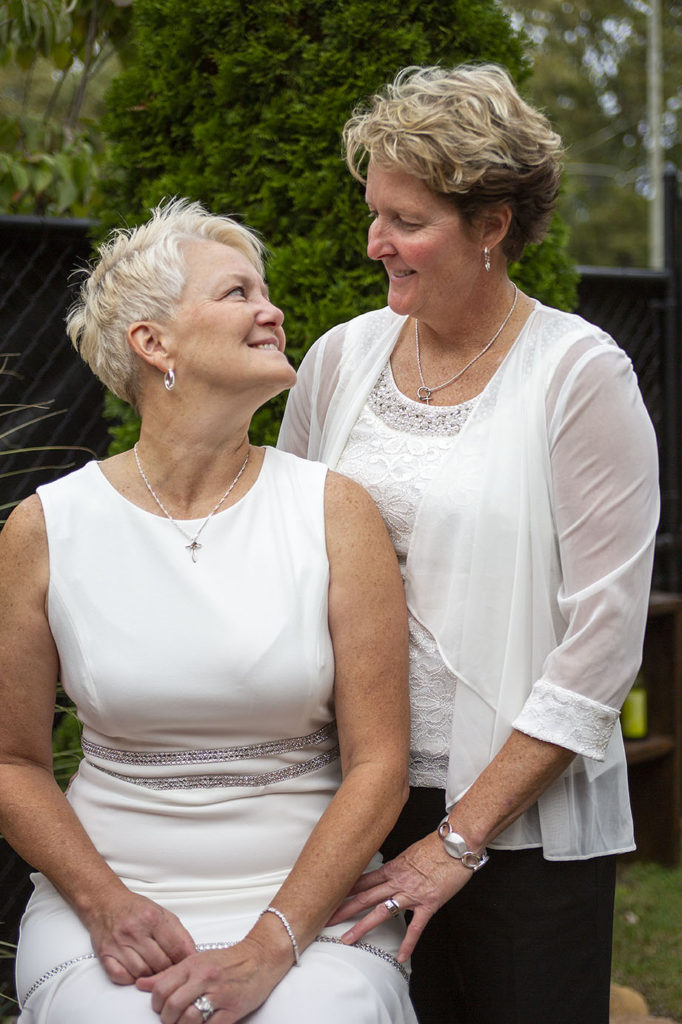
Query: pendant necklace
column 424, row 392
column 193, row 545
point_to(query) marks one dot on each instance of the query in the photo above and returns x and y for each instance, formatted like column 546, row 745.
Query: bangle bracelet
column 280, row 915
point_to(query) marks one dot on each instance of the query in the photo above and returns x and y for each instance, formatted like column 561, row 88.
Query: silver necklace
column 193, row 545
column 424, row 392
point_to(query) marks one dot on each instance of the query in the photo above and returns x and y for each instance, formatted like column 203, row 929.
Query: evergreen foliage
column 241, row 105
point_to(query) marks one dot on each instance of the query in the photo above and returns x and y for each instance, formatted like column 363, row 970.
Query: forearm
column 512, row 782
column 40, row 824
column 340, row 847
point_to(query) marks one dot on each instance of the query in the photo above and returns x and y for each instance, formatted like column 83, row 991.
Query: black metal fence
column 50, row 404
column 641, row 310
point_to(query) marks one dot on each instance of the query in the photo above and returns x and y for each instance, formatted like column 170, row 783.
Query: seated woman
column 230, row 622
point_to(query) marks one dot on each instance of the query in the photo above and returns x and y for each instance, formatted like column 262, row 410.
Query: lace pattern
column 569, row 719
column 395, row 450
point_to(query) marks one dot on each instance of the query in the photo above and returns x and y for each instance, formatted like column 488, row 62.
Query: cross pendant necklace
column 194, row 544
column 193, row 548
column 424, row 392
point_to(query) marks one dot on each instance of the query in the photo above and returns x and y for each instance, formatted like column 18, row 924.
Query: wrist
column 279, row 936
column 457, row 847
column 93, row 903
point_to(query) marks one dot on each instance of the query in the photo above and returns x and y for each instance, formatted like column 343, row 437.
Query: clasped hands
column 142, row 943
column 139, row 942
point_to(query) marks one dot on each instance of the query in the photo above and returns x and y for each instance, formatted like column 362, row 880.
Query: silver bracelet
column 280, row 915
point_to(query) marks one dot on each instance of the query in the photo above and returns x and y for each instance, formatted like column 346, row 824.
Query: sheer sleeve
column 605, row 492
column 309, row 399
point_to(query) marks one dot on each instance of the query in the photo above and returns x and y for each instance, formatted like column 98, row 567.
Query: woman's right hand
column 135, row 937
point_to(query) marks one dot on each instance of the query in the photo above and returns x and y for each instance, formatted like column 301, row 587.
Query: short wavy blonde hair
column 467, row 133
column 139, row 274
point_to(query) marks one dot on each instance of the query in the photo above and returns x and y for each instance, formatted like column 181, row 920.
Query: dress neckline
column 199, row 519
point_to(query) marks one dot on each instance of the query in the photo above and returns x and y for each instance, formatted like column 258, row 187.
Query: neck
column 471, row 322
column 189, row 468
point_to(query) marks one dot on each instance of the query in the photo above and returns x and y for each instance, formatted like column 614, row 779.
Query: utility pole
column 654, row 69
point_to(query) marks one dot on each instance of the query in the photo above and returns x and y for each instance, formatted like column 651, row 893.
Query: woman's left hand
column 420, row 879
column 236, row 981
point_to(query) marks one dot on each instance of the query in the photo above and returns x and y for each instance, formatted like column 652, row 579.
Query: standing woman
column 509, row 451
column 230, row 623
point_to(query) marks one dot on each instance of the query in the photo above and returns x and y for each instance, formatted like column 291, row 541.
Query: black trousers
column 527, row 941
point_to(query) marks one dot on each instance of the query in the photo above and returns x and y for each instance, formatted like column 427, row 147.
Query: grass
column 647, row 935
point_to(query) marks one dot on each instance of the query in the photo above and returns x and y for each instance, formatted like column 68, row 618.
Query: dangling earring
column 169, row 379
column 486, row 259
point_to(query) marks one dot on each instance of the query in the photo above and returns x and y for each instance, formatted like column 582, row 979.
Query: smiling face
column 225, row 333
column 431, row 255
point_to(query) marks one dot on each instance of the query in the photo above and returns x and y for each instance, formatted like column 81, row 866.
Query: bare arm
column 368, row 624
column 130, row 934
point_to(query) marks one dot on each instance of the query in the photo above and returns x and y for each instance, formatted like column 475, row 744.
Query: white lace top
column 394, row 450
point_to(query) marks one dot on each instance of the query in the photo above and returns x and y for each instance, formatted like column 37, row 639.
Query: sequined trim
column 292, row 771
column 367, row 948
column 164, row 757
column 60, row 968
column 401, row 413
column 53, row 972
column 202, row 947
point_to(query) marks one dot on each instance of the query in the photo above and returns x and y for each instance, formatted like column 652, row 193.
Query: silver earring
column 486, row 259
column 169, row 379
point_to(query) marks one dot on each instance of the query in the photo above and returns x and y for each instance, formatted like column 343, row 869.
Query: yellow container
column 633, row 716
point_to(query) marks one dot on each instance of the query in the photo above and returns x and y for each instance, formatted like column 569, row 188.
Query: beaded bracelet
column 280, row 915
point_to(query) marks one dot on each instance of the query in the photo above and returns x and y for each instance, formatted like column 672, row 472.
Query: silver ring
column 205, row 1007
column 392, row 906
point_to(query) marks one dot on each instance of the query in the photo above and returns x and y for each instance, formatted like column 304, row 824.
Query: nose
column 379, row 244
column 270, row 314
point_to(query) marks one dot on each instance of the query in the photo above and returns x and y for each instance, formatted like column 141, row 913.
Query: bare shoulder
column 358, row 544
column 23, row 544
column 351, row 517
column 26, row 523
column 343, row 497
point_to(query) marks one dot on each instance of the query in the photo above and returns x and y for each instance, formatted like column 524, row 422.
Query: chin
column 401, row 304
column 286, row 379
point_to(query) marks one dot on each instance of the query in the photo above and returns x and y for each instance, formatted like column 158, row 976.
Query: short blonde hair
column 140, row 274
column 468, row 134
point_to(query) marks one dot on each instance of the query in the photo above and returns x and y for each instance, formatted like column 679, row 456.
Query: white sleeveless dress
column 206, row 695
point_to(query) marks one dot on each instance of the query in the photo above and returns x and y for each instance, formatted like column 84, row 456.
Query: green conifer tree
column 241, row 105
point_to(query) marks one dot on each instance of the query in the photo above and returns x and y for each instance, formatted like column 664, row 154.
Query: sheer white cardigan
column 530, row 560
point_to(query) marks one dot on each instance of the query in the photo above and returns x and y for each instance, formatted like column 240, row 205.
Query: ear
column 494, row 224
column 147, row 339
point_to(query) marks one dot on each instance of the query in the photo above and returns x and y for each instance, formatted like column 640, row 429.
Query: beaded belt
column 222, row 755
